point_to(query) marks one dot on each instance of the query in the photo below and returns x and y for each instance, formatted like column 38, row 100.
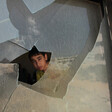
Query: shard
column 8, row 82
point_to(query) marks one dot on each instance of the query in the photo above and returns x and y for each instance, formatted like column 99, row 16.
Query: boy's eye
column 39, row 58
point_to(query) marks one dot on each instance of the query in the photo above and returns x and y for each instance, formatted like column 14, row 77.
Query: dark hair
column 34, row 51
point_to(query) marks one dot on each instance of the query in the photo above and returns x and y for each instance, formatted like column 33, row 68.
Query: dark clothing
column 25, row 77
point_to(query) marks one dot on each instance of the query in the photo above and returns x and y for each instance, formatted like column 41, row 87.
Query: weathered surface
column 8, row 82
column 58, row 27
column 27, row 100
column 10, row 51
column 87, row 92
column 55, row 80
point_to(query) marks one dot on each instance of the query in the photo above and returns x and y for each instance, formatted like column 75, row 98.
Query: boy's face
column 39, row 62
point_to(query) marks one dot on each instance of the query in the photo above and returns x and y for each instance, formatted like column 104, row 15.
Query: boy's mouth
column 40, row 68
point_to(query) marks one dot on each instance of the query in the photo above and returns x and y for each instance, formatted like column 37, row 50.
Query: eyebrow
column 39, row 57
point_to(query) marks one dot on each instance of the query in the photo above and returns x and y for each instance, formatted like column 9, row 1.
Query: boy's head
column 38, row 59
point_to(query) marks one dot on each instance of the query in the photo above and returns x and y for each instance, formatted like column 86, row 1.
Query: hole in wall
column 26, row 68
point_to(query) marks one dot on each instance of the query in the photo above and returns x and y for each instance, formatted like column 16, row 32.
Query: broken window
column 27, row 70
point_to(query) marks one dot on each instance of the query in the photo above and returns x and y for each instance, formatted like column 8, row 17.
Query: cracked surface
column 87, row 92
column 8, row 82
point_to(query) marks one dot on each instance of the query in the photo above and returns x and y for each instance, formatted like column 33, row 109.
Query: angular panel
column 8, row 82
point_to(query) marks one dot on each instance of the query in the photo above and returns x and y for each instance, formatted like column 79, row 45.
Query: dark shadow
column 108, row 55
column 5, row 60
column 26, row 69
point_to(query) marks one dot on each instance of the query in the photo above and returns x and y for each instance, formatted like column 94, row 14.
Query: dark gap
column 26, row 68
column 101, row 4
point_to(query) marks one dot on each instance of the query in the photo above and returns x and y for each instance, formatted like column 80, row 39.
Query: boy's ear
column 46, row 57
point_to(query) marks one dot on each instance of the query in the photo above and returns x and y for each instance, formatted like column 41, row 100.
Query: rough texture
column 26, row 100
column 55, row 80
column 9, row 51
column 8, row 82
column 87, row 92
column 58, row 27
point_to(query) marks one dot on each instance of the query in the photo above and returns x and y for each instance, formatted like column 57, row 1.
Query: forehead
column 37, row 56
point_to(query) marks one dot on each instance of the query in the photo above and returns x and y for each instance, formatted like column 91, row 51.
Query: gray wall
column 63, row 27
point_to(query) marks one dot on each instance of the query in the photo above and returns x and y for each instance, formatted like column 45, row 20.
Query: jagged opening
column 63, row 36
column 26, row 68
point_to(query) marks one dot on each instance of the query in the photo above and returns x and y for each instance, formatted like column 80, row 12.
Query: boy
column 40, row 62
